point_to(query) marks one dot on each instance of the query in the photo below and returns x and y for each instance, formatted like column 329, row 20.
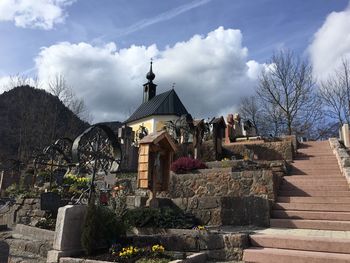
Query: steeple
column 149, row 88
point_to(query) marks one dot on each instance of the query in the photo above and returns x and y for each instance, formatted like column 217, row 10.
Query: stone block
column 208, row 202
column 39, row 213
column 140, row 201
column 70, row 260
column 33, row 247
column 31, row 201
column 55, row 256
column 181, row 203
column 34, row 232
column 69, row 227
column 236, row 241
column 210, row 241
column 345, row 161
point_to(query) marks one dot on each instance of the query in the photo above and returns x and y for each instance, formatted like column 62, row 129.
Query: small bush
column 101, row 226
column 159, row 217
column 186, row 164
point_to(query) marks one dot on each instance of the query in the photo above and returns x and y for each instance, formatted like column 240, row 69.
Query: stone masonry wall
column 343, row 157
column 269, row 151
column 25, row 211
column 220, row 196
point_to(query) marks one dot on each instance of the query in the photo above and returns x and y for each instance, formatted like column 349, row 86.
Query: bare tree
column 58, row 87
column 250, row 109
column 19, row 81
column 287, row 88
column 335, row 94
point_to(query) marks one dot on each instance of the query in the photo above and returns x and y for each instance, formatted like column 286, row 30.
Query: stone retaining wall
column 269, row 151
column 343, row 157
column 217, row 246
column 220, row 196
column 25, row 211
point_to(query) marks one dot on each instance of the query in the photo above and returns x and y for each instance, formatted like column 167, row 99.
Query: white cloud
column 211, row 73
column 331, row 43
column 34, row 13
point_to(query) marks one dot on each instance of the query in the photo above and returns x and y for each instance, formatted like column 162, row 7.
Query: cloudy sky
column 212, row 50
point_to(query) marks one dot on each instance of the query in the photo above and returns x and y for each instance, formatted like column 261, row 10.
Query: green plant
column 159, row 217
column 101, row 226
column 90, row 232
column 46, row 223
column 14, row 191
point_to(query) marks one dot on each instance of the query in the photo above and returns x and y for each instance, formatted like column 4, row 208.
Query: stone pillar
column 126, row 135
column 1, row 182
column 70, row 220
column 346, row 138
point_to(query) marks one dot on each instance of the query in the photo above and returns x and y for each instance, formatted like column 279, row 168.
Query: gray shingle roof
column 166, row 103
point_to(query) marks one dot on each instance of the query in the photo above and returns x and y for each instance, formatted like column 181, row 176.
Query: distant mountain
column 31, row 119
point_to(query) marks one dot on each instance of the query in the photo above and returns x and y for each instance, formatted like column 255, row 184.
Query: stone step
column 313, row 207
column 314, row 200
column 315, row 193
column 312, row 215
column 310, row 167
column 316, row 170
column 20, row 256
column 310, row 224
column 317, row 174
column 320, row 186
column 306, row 243
column 314, row 154
column 37, row 247
column 274, row 255
column 315, row 159
column 317, row 179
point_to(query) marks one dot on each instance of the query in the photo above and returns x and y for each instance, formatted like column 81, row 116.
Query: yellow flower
column 158, row 249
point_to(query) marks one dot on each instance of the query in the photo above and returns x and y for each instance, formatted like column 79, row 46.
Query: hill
column 31, row 119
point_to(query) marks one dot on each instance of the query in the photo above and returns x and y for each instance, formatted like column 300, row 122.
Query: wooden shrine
column 155, row 157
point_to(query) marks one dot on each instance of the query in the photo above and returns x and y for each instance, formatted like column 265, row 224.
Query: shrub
column 102, row 227
column 186, row 164
column 159, row 217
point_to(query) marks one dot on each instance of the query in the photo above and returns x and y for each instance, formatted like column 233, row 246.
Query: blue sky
column 264, row 26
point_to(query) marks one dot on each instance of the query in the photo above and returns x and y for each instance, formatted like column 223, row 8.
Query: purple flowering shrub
column 186, row 164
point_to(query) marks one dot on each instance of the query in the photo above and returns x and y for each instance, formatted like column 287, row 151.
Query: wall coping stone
column 194, row 258
column 34, row 232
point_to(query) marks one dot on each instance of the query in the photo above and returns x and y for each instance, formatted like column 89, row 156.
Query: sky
column 211, row 51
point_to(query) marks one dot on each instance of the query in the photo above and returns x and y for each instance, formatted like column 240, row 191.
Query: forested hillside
column 31, row 119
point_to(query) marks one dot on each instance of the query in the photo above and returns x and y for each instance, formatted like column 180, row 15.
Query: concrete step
column 316, row 193
column 313, row 207
column 329, row 180
column 306, row 243
column 312, row 215
column 315, row 159
column 274, row 255
column 313, row 154
column 322, row 163
column 315, row 172
column 303, row 180
column 310, row 224
column 314, row 200
column 321, row 186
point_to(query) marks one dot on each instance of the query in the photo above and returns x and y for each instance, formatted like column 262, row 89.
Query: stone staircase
column 310, row 222
column 25, row 244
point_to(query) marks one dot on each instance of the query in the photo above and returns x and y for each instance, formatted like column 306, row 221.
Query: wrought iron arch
column 97, row 149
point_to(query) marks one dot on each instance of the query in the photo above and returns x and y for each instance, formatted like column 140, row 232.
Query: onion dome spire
column 150, row 75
